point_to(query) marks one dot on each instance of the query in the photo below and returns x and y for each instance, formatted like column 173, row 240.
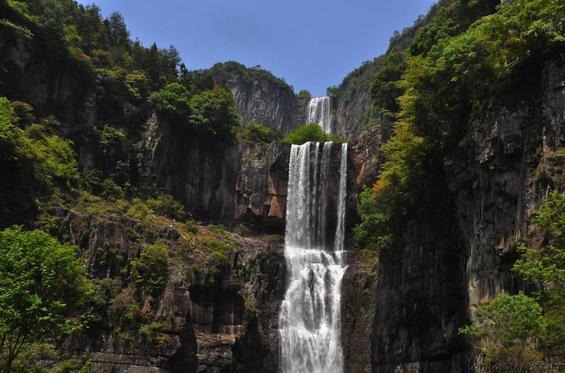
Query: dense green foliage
column 149, row 272
column 128, row 68
column 383, row 207
column 43, row 289
column 521, row 328
column 310, row 132
column 304, row 94
column 34, row 162
column 166, row 205
column 103, row 44
column 222, row 71
column 460, row 56
column 374, row 232
column 212, row 110
column 508, row 329
column 546, row 265
column 257, row 133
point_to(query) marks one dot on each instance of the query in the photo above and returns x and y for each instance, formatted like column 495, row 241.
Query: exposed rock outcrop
column 223, row 181
column 351, row 106
column 195, row 168
column 458, row 255
column 262, row 185
column 504, row 167
column 260, row 96
column 208, row 314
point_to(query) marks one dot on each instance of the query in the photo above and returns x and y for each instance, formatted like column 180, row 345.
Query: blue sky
column 312, row 44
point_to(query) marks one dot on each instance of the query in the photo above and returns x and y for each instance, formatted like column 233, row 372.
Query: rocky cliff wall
column 351, row 107
column 261, row 97
column 212, row 317
column 458, row 254
column 503, row 169
column 216, row 180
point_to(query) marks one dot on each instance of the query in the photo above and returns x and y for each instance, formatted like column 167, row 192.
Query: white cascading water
column 310, row 318
column 319, row 112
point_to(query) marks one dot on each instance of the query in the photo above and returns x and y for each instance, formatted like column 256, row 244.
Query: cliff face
column 49, row 82
column 223, row 181
column 401, row 313
column 261, row 187
column 191, row 166
column 261, row 97
column 504, row 167
column 458, row 255
column 211, row 317
column 351, row 107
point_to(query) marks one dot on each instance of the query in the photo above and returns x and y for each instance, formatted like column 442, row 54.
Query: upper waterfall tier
column 319, row 112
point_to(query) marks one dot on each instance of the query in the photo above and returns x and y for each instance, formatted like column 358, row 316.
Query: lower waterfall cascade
column 310, row 317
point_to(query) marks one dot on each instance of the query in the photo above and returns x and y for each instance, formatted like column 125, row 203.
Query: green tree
column 174, row 100
column 214, row 111
column 165, row 204
column 118, row 32
column 304, row 94
column 546, row 265
column 257, row 133
column 374, row 232
column 508, row 329
column 310, row 132
column 43, row 291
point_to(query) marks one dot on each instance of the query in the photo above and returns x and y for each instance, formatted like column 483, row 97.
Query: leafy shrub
column 219, row 250
column 304, row 94
column 385, row 88
column 174, row 100
column 332, row 91
column 124, row 311
column 150, row 331
column 110, row 136
column 546, row 264
column 257, row 133
column 105, row 290
column 310, row 132
column 374, row 231
column 33, row 163
column 137, row 209
column 137, row 84
column 55, row 156
column 149, row 272
column 508, row 329
column 166, row 205
column 214, row 111
column 211, row 110
column 191, row 225
column 9, row 135
column 404, row 155
column 111, row 190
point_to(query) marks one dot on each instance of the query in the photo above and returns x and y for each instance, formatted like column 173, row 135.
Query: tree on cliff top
column 310, row 132
column 43, row 290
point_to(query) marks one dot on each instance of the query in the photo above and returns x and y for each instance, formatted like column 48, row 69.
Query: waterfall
column 319, row 112
column 310, row 317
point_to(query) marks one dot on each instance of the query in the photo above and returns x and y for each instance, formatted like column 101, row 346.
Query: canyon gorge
column 271, row 276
